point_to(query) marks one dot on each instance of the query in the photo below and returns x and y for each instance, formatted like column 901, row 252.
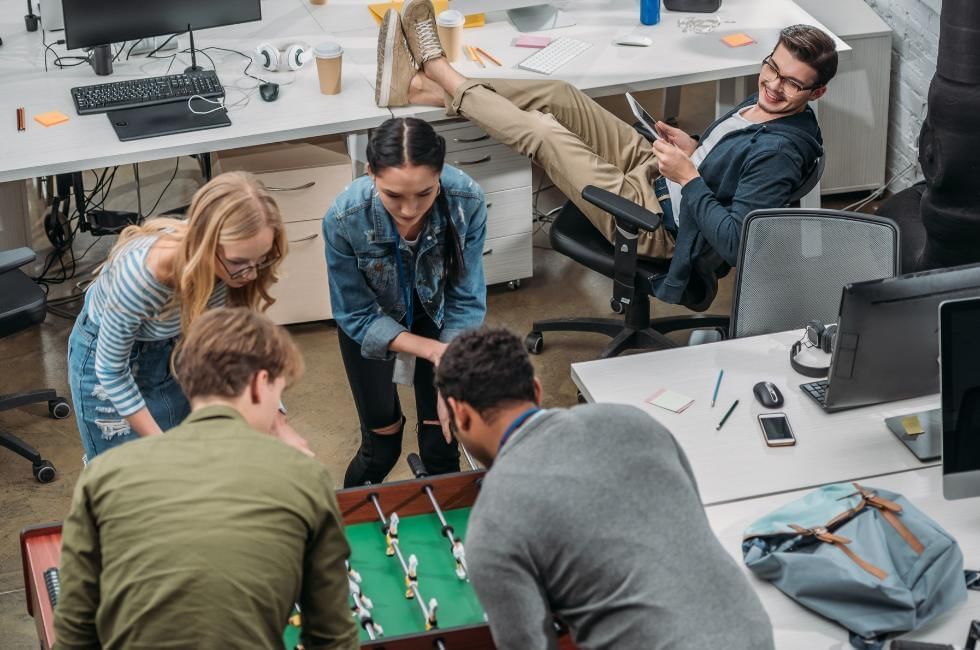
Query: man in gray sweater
column 591, row 514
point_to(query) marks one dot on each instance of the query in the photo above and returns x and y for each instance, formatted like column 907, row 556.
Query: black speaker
column 694, row 6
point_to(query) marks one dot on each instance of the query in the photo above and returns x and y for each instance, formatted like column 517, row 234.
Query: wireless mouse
column 269, row 91
column 634, row 39
column 768, row 395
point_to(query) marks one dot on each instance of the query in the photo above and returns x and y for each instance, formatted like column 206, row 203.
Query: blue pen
column 721, row 373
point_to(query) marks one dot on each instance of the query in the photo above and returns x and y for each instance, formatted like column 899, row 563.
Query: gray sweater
column 593, row 514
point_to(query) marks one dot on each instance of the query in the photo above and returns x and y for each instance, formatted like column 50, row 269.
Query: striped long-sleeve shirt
column 126, row 302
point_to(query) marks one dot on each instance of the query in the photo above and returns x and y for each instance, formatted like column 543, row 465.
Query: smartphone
column 642, row 116
column 776, row 430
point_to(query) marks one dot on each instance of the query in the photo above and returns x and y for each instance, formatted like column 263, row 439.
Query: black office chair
column 574, row 236
column 22, row 304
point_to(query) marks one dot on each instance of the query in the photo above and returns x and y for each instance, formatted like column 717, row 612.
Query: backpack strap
column 890, row 511
column 824, row 535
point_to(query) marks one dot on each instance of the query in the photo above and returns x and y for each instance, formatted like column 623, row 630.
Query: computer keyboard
column 556, row 54
column 132, row 93
column 816, row 389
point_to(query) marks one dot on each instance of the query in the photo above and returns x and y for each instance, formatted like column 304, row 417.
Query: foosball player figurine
column 391, row 534
column 430, row 622
column 412, row 576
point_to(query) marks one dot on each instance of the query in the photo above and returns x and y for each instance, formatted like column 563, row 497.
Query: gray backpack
column 863, row 557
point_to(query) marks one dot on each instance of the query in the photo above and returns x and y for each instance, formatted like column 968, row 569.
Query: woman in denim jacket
column 404, row 249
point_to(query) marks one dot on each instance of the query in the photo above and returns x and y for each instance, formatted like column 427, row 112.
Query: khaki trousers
column 575, row 141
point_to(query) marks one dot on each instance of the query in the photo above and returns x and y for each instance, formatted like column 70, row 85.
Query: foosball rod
column 412, row 584
column 366, row 619
column 469, row 459
column 418, row 469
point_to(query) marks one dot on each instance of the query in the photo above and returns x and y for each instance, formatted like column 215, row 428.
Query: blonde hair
column 233, row 206
column 211, row 363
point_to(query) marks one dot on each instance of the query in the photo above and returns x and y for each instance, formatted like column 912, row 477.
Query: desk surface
column 87, row 142
column 735, row 463
column 795, row 627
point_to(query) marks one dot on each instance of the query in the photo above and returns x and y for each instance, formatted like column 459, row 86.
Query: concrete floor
column 320, row 406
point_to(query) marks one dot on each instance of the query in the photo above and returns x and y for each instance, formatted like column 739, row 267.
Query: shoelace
column 429, row 45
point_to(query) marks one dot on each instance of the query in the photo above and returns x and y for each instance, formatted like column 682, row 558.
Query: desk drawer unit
column 302, row 293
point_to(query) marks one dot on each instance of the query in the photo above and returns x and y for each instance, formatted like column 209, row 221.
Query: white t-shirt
column 734, row 123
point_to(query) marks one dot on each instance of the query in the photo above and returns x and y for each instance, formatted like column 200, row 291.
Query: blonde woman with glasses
column 161, row 276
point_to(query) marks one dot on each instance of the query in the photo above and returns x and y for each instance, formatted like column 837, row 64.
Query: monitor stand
column 539, row 17
column 926, row 446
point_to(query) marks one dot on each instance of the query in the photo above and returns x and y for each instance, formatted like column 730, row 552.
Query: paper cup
column 329, row 58
column 318, row 2
column 449, row 24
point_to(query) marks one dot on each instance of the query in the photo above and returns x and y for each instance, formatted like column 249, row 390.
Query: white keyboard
column 553, row 56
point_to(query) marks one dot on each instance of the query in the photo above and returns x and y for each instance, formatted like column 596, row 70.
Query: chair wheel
column 581, row 398
column 44, row 472
column 514, row 285
column 59, row 408
column 616, row 306
column 534, row 342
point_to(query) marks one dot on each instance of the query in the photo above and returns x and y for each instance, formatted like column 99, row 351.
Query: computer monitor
column 89, row 23
column 959, row 325
column 527, row 15
column 887, row 345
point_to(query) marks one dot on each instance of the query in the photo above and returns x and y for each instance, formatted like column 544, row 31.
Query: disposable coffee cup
column 449, row 24
column 329, row 58
column 318, row 2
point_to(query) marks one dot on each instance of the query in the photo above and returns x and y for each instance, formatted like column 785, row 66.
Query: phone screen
column 641, row 114
column 776, row 428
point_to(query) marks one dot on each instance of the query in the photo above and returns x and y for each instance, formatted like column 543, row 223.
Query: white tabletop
column 735, row 463
column 795, row 627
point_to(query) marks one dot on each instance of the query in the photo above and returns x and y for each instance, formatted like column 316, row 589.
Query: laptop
column 887, row 344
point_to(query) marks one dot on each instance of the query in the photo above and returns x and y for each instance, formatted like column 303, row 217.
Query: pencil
column 489, row 56
column 478, row 59
column 730, row 409
column 470, row 53
column 721, row 373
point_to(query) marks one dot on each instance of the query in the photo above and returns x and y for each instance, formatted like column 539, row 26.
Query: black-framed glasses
column 262, row 265
column 790, row 87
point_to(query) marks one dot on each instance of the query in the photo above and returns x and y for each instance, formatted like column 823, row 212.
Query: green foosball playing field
column 383, row 577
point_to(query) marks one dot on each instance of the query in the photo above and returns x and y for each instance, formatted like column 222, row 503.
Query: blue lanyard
column 405, row 287
column 516, row 424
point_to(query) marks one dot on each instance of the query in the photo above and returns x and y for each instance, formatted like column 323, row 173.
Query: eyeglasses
column 789, row 86
column 242, row 271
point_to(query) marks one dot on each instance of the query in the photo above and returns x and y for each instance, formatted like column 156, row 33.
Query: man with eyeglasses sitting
column 754, row 157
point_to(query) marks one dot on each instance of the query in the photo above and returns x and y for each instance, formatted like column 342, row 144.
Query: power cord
column 858, row 205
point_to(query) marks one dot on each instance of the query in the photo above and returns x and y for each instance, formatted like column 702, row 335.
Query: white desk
column 735, row 463
column 796, row 628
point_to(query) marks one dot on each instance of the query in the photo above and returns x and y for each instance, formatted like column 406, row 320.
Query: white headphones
column 289, row 57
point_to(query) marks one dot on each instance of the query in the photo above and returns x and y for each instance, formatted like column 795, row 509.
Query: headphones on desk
column 818, row 336
column 290, row 57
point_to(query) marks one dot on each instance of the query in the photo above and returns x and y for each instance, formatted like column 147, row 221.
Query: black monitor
column 959, row 326
column 89, row 23
column 887, row 345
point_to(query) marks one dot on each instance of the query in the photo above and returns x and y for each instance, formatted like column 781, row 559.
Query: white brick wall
column 915, row 46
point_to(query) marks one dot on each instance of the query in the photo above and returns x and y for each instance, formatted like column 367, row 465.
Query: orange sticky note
column 737, row 40
column 50, row 118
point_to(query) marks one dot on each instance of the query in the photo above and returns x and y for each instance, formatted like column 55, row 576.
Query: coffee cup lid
column 328, row 50
column 450, row 18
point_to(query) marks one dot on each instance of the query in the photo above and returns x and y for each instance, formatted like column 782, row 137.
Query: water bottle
column 649, row 12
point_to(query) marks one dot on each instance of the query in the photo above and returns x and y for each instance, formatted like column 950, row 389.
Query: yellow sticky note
column 912, row 425
column 378, row 11
column 50, row 118
column 737, row 40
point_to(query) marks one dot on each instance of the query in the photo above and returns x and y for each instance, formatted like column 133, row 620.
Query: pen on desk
column 489, row 56
column 21, row 123
column 721, row 373
column 729, row 412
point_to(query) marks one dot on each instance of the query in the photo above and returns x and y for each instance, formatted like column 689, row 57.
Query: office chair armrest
column 15, row 258
column 626, row 213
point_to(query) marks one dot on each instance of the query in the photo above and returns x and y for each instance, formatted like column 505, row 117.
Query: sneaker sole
column 386, row 70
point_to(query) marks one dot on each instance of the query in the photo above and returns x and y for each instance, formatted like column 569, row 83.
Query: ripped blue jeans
column 99, row 425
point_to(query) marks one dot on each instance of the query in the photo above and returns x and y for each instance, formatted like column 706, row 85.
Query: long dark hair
column 411, row 141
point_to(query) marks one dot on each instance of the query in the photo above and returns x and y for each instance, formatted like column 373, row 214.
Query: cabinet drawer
column 507, row 258
column 494, row 168
column 304, row 194
column 302, row 293
column 509, row 212
column 463, row 135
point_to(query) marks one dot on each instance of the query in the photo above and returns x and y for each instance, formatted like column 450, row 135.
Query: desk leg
column 672, row 104
column 15, row 227
column 730, row 93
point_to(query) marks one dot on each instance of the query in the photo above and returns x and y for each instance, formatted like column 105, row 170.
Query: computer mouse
column 269, row 91
column 768, row 395
column 634, row 39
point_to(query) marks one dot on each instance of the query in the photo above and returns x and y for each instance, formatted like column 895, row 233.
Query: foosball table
column 407, row 573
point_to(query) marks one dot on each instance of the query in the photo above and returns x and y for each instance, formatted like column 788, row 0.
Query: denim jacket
column 367, row 290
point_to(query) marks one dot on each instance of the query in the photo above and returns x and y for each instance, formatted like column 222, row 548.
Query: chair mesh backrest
column 793, row 265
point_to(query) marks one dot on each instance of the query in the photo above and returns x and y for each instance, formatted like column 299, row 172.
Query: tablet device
column 643, row 117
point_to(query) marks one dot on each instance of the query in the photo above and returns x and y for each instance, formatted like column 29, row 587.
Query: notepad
column 378, row 11
column 737, row 40
column 670, row 400
column 50, row 118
